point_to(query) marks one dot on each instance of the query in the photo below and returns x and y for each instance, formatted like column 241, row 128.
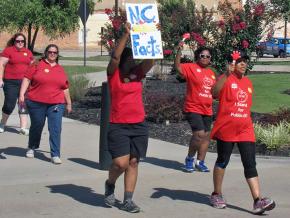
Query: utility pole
column 285, row 35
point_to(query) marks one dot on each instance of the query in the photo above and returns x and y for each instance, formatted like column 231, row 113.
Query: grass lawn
column 82, row 69
column 93, row 58
column 268, row 90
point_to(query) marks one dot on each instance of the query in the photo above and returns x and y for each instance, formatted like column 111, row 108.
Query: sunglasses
column 52, row 52
column 204, row 56
column 19, row 41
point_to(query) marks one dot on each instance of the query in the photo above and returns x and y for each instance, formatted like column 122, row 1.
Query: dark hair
column 127, row 52
column 198, row 51
column 11, row 41
column 45, row 54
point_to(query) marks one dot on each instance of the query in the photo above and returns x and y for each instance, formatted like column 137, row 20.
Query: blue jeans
column 38, row 112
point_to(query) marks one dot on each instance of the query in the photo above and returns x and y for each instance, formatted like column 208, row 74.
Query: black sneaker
column 109, row 199
column 130, row 207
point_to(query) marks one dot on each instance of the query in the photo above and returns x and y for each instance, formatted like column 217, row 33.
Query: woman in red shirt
column 198, row 104
column 128, row 133
column 234, row 126
column 47, row 96
column 14, row 61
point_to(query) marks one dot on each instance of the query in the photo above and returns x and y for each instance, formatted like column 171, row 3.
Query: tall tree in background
column 56, row 18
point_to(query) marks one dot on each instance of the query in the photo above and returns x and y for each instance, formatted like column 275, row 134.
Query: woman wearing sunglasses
column 47, row 96
column 14, row 61
column 233, row 126
column 198, row 104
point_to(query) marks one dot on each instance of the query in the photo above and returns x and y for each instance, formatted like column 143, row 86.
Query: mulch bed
column 88, row 110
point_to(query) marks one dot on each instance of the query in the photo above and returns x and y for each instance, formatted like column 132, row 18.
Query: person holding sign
column 128, row 133
column 234, row 126
column 198, row 103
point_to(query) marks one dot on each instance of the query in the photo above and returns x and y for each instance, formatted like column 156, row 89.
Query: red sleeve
column 30, row 55
column 185, row 70
column 66, row 85
column 6, row 53
column 30, row 71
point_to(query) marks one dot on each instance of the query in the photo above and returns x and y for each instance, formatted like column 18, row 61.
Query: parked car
column 273, row 46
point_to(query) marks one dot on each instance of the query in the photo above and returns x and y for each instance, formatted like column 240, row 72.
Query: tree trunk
column 34, row 38
column 29, row 37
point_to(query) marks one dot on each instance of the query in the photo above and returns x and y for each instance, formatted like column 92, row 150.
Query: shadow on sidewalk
column 192, row 196
column 81, row 194
column 21, row 152
column 88, row 163
column 170, row 164
column 11, row 129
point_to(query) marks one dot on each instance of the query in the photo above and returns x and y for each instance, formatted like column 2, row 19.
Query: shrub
column 78, row 86
column 273, row 136
column 160, row 107
column 282, row 114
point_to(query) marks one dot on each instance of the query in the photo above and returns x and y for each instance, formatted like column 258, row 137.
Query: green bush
column 273, row 136
column 78, row 86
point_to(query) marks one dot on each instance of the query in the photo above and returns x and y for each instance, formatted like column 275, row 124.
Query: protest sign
column 145, row 37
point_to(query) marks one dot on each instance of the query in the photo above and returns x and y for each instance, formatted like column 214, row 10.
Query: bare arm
column 220, row 83
column 177, row 61
column 146, row 65
column 24, row 86
column 115, row 59
column 67, row 100
column 3, row 62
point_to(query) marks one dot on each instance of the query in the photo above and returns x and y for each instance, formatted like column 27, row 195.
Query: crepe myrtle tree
column 239, row 29
column 56, row 18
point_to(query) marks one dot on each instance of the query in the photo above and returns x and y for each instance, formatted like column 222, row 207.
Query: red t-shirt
column 234, row 123
column 18, row 63
column 126, row 97
column 47, row 83
column 200, row 81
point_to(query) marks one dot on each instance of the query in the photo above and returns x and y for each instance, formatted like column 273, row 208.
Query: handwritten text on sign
column 145, row 37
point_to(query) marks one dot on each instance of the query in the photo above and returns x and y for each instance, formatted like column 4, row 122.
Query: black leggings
column 11, row 92
column 248, row 156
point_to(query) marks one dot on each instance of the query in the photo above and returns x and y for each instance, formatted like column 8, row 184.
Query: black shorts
column 124, row 139
column 199, row 122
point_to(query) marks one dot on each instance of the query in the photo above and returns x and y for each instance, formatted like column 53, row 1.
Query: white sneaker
column 56, row 160
column 2, row 128
column 24, row 131
column 30, row 153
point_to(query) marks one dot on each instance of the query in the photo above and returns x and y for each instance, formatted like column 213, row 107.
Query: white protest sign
column 145, row 37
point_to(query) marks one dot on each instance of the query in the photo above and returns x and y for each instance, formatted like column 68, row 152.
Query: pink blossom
column 116, row 24
column 245, row 44
column 111, row 43
column 198, row 38
column 108, row 11
column 167, row 52
column 243, row 25
column 259, row 9
column 221, row 23
column 237, row 18
column 236, row 27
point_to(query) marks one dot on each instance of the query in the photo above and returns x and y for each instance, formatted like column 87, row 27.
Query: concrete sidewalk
column 36, row 188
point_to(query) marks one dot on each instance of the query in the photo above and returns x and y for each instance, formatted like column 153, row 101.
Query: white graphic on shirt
column 240, row 105
column 234, row 85
column 198, row 70
column 206, row 88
